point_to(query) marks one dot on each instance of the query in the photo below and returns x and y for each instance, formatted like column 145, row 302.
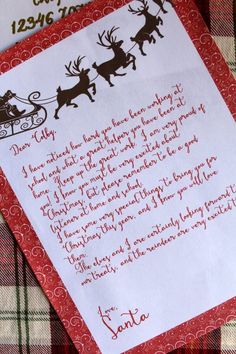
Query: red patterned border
column 20, row 226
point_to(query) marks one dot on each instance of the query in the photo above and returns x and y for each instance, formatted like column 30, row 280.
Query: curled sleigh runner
column 12, row 125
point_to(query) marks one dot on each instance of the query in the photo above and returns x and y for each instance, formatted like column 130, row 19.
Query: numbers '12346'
column 30, row 23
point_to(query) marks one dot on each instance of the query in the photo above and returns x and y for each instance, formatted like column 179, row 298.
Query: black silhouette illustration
column 151, row 24
column 161, row 5
column 8, row 111
column 120, row 59
column 65, row 97
column 13, row 121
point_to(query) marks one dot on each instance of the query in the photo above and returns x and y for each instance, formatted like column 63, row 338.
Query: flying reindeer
column 120, row 59
column 64, row 97
column 161, row 5
column 151, row 25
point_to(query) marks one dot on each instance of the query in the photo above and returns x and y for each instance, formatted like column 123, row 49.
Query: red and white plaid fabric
column 28, row 324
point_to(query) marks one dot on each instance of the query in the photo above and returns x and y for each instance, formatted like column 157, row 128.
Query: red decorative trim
column 20, row 225
column 209, row 52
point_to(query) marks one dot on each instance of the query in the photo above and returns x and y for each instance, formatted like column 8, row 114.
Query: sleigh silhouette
column 10, row 125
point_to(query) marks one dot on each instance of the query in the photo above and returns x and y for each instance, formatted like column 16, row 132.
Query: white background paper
column 187, row 277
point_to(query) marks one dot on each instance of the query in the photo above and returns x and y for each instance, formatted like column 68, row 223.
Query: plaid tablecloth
column 28, row 324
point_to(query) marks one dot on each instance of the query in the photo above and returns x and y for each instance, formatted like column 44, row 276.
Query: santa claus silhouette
column 7, row 110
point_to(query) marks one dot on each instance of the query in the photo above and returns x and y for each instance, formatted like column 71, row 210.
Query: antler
column 140, row 9
column 101, row 43
column 75, row 70
column 108, row 37
column 132, row 10
column 144, row 3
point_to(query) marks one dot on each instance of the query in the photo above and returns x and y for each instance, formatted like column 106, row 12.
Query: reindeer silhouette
column 120, row 59
column 82, row 87
column 161, row 5
column 151, row 25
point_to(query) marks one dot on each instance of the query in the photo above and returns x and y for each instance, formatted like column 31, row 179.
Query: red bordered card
column 117, row 140
column 20, row 20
